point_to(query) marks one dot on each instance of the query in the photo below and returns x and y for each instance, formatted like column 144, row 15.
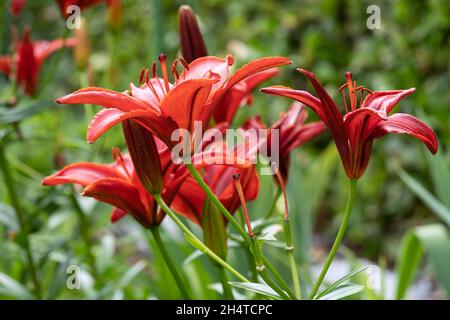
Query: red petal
column 43, row 49
column 385, row 100
column 5, row 65
column 121, row 194
column 210, row 67
column 331, row 117
column 117, row 214
column 107, row 118
column 360, row 123
column 408, row 124
column 82, row 173
column 256, row 66
column 145, row 94
column 184, row 103
column 105, row 98
column 299, row 95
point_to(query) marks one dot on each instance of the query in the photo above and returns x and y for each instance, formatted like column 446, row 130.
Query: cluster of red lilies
column 147, row 184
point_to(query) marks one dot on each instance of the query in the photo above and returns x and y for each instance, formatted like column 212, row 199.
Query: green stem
column 192, row 237
column 84, row 231
column 196, row 175
column 227, row 293
column 261, row 268
column 279, row 278
column 250, row 241
column 271, row 210
column 339, row 236
column 170, row 263
column 10, row 185
column 290, row 252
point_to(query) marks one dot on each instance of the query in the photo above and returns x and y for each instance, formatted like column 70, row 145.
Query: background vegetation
column 402, row 214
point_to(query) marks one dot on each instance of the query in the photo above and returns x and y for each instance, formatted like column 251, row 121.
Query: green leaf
column 410, row 254
column 26, row 110
column 8, row 217
column 340, row 282
column 432, row 240
column 258, row 288
column 440, row 174
column 343, row 291
column 427, row 198
column 13, row 289
column 131, row 274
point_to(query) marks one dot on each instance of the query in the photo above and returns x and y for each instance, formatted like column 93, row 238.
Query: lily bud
column 214, row 229
column 191, row 40
column 115, row 15
column 82, row 49
column 144, row 154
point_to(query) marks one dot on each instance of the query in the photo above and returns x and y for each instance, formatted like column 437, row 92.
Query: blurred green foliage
column 327, row 37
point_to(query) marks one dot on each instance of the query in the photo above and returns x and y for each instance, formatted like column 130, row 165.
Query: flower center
column 160, row 87
column 353, row 90
column 118, row 157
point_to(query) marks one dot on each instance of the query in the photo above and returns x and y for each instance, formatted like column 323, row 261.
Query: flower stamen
column 238, row 185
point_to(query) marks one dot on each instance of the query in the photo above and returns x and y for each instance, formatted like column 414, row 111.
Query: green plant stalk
column 261, row 268
column 290, row 252
column 279, row 278
column 85, row 234
column 188, row 233
column 271, row 210
column 339, row 237
column 170, row 263
column 196, row 175
column 227, row 292
column 10, row 185
column 251, row 243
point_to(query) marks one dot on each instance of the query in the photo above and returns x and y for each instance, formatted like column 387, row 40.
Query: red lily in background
column 16, row 7
column 293, row 132
column 191, row 198
column 28, row 59
column 161, row 106
column 193, row 47
column 117, row 184
column 82, row 4
column 365, row 120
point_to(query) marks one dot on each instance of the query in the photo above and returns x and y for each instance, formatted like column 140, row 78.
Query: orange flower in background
column 28, row 59
column 162, row 106
column 364, row 120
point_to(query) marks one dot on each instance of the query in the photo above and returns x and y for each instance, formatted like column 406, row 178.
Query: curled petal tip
column 307, row 73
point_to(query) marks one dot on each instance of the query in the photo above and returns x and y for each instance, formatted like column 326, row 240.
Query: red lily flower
column 82, row 4
column 16, row 7
column 193, row 47
column 117, row 184
column 293, row 132
column 28, row 59
column 354, row 132
column 163, row 107
column 190, row 198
